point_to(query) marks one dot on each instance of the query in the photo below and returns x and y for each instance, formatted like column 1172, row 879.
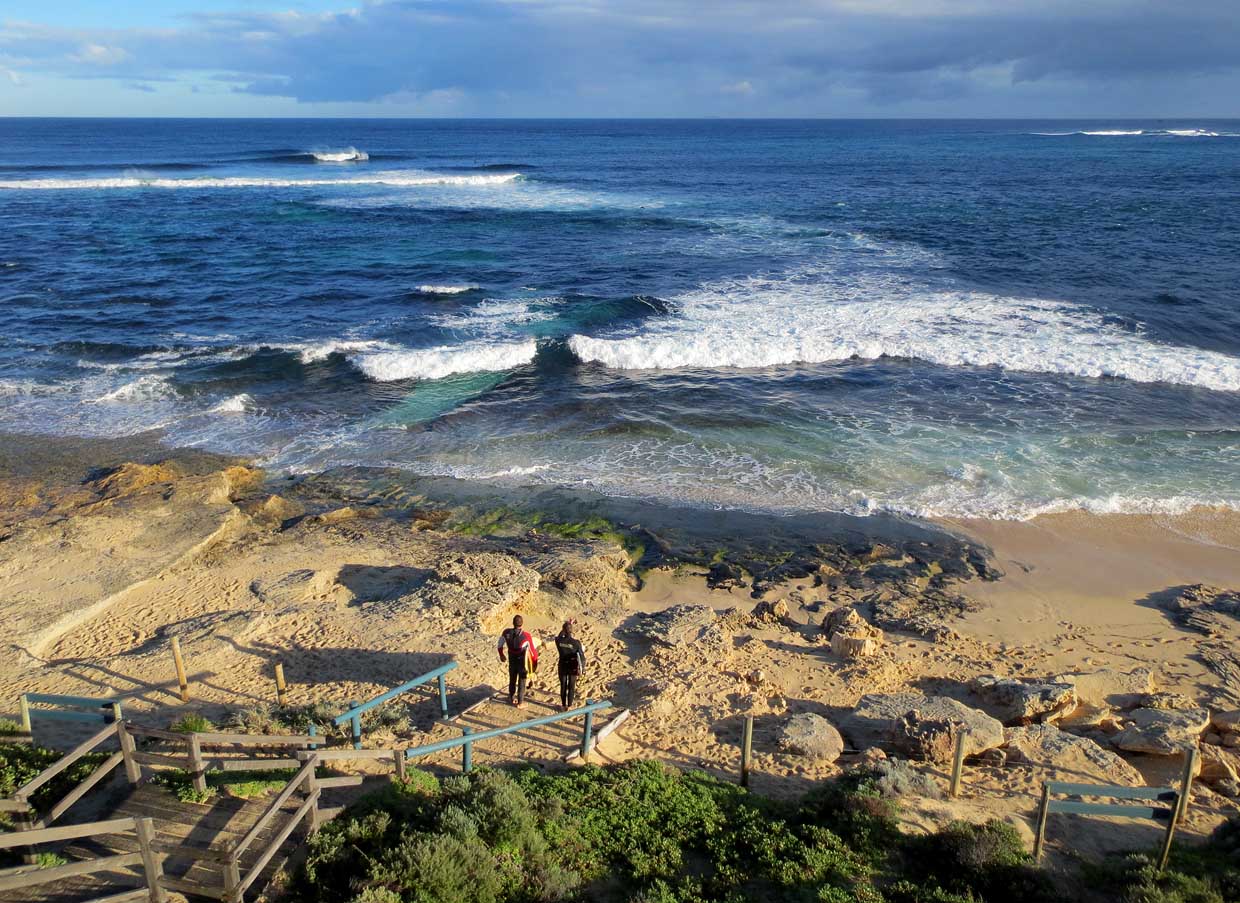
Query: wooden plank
column 14, row 806
column 1162, row 794
column 56, row 715
column 123, row 897
column 16, row 739
column 472, row 708
column 184, row 851
column 251, row 764
column 329, row 813
column 190, row 888
column 31, row 876
column 604, row 732
column 66, row 832
column 165, row 761
column 211, row 739
column 1072, row 808
column 157, row 733
column 353, row 780
column 81, row 790
column 289, row 789
column 64, row 762
column 276, row 842
column 336, row 755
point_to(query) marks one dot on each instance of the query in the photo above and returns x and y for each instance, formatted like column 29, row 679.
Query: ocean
column 931, row 318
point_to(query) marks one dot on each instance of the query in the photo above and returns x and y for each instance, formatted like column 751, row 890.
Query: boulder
column 850, row 635
column 1226, row 721
column 772, row 612
column 476, row 586
column 1076, row 758
column 877, row 719
column 589, row 573
column 725, row 576
column 1161, row 732
column 1219, row 766
column 1015, row 701
column 1170, row 702
column 1110, row 687
column 929, row 739
column 673, row 626
column 811, row 736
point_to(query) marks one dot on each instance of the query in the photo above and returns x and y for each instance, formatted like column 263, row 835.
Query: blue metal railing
column 468, row 738
column 113, row 706
column 353, row 716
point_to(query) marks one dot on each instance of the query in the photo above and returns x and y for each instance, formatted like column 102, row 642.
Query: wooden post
column 1040, row 837
column 467, row 752
column 116, row 713
column 443, row 697
column 398, row 763
column 152, row 862
column 312, row 789
column 24, row 821
column 24, row 702
column 133, row 771
column 958, row 762
column 281, row 687
column 180, row 664
column 232, row 880
column 585, row 734
column 197, row 769
column 746, row 750
column 1186, row 783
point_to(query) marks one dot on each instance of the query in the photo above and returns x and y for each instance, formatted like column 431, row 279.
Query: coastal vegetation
column 646, row 833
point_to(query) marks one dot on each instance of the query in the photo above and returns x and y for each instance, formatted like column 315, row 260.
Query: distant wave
column 238, row 404
column 396, row 179
column 1133, row 133
column 806, row 318
column 452, row 289
column 139, row 391
column 445, row 360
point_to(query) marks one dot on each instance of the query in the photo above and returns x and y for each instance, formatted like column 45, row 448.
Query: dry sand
column 97, row 576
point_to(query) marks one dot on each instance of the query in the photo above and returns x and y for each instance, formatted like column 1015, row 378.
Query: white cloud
column 741, row 88
column 100, row 55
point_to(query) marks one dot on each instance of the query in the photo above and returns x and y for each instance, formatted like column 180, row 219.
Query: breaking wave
column 445, row 360
column 390, row 179
column 456, row 289
column 767, row 322
column 348, row 155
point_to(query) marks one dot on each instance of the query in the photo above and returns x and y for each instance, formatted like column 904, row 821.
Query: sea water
column 989, row 318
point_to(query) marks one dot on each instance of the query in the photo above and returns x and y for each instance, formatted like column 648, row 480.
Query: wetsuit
column 572, row 664
column 517, row 646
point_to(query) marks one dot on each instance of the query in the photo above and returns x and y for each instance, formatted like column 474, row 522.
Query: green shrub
column 192, row 723
column 9, row 727
column 1196, row 873
column 986, row 860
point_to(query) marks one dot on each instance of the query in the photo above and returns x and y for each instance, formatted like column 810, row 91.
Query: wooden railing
column 98, row 710
column 195, row 761
column 147, row 858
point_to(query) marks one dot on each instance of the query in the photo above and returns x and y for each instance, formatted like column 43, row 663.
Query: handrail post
column 587, row 730
column 281, row 686
column 133, row 771
column 312, row 789
column 232, row 880
column 467, row 752
column 355, row 724
column 24, row 702
column 198, row 770
column 1186, row 783
column 398, row 764
column 182, row 681
column 958, row 762
column 746, row 750
column 443, row 697
column 313, row 731
column 24, row 821
column 152, row 862
column 1044, row 810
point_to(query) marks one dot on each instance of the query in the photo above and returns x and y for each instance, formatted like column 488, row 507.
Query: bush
column 986, row 860
column 1196, row 873
column 192, row 723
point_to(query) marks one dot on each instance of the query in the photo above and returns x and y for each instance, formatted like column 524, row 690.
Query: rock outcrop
column 1110, row 687
column 477, row 587
column 878, row 719
column 673, row 626
column 1015, row 701
column 850, row 635
column 1075, row 758
column 1161, row 732
column 811, row 736
column 590, row 573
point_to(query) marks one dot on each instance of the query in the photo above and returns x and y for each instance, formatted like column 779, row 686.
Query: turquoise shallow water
column 954, row 318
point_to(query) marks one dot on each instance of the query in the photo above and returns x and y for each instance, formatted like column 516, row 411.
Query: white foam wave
column 492, row 317
column 319, row 351
column 447, row 289
column 391, row 179
column 1192, row 133
column 1113, row 133
column 445, row 360
column 1149, row 133
column 238, row 404
column 141, row 390
column 807, row 318
column 348, row 155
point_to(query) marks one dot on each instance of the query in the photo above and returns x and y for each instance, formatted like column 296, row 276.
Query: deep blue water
column 990, row 318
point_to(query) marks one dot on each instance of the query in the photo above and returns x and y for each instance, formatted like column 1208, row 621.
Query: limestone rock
column 673, row 626
column 1079, row 758
column 1170, row 702
column 274, row 511
column 477, row 586
column 593, row 573
column 1110, row 687
column 850, row 635
column 1226, row 721
column 811, row 736
column 877, row 717
column 1015, row 701
column 1206, row 609
column 772, row 612
column 1160, row 732
column 929, row 739
column 1219, row 765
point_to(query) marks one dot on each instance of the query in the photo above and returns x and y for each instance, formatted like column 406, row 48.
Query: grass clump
column 192, row 723
column 9, row 727
column 49, row 860
column 392, row 717
column 241, row 784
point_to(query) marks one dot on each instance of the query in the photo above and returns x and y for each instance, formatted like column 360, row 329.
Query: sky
column 622, row 58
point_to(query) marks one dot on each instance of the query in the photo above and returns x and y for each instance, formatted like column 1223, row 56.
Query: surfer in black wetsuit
column 572, row 664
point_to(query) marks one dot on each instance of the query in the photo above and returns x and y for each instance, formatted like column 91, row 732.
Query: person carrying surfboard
column 516, row 646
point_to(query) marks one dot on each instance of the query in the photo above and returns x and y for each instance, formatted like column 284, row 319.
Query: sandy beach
column 357, row 581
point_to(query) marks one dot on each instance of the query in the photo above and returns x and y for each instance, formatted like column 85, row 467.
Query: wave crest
column 390, row 179
column 445, row 360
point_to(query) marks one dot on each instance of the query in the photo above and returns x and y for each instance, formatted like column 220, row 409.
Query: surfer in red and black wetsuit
column 516, row 646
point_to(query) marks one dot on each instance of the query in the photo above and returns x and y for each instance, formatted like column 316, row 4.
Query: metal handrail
column 354, row 714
